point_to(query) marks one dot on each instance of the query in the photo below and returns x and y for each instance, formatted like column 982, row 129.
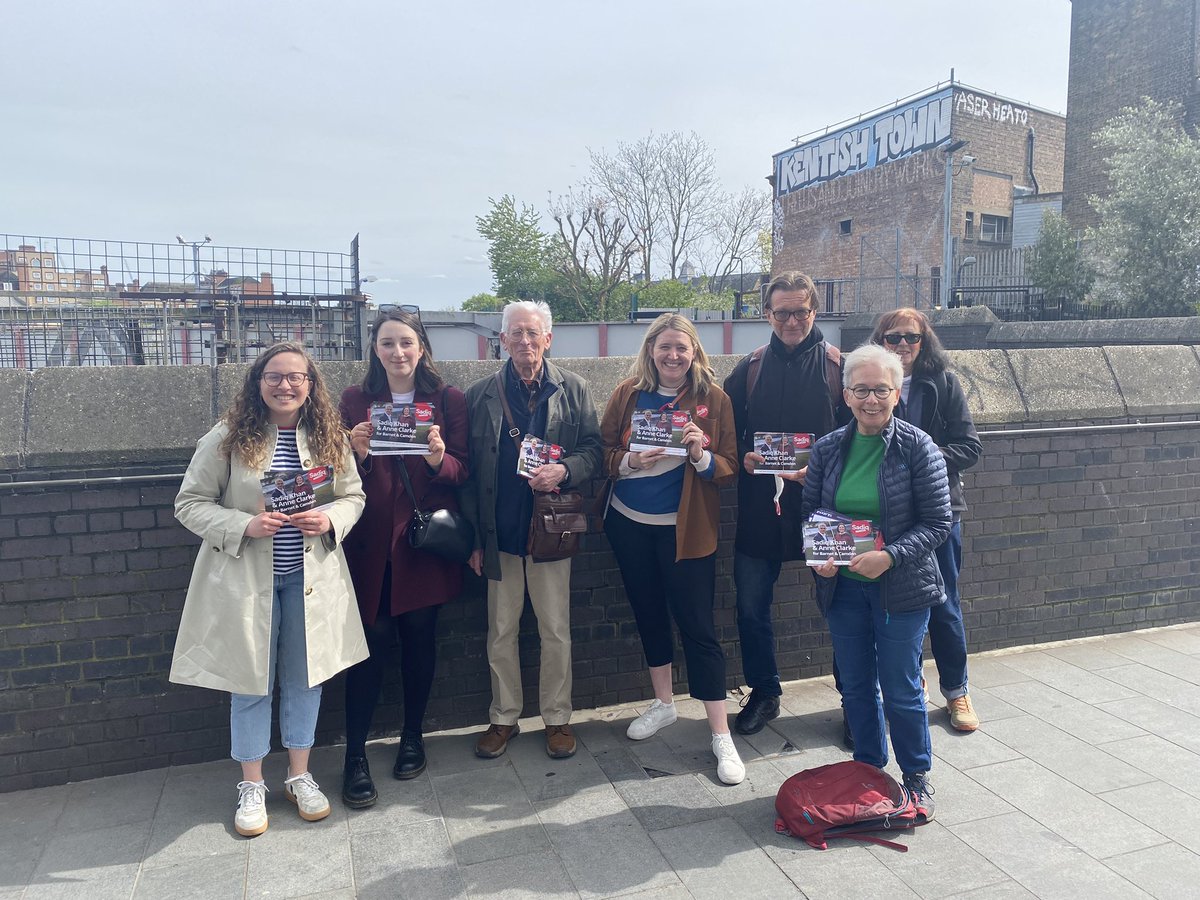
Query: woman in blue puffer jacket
column 882, row 469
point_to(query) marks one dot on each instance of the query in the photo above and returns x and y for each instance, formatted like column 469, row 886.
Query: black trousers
column 661, row 589
column 416, row 633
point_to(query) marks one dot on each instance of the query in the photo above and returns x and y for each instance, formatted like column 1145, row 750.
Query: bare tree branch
column 690, row 191
column 595, row 247
column 632, row 179
column 739, row 219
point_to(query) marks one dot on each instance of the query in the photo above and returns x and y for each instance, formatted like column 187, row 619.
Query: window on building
column 35, row 262
column 845, row 226
column 969, row 227
column 994, row 229
column 36, row 275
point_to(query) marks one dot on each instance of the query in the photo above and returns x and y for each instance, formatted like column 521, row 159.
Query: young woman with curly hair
column 270, row 596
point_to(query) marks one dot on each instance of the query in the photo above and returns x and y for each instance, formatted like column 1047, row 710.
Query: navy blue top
column 514, row 499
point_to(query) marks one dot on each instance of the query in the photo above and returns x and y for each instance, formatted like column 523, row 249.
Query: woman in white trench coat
column 270, row 596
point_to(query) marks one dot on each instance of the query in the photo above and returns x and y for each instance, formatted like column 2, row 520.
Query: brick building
column 861, row 205
column 1122, row 51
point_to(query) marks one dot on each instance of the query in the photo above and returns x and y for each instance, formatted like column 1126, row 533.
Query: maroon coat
column 381, row 535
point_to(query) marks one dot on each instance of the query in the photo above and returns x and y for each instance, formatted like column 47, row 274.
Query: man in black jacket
column 793, row 385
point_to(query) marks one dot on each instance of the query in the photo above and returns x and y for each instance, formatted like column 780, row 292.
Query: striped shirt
column 289, row 542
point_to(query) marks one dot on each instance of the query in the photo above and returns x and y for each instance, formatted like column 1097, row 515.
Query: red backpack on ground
column 845, row 799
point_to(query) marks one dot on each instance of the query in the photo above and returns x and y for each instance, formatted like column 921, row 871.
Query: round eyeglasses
column 295, row 379
column 880, row 392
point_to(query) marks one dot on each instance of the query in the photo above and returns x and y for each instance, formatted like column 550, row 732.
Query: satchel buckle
column 514, row 432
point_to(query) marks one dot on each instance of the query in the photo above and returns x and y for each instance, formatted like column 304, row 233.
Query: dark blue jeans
column 755, row 582
column 875, row 647
column 947, row 637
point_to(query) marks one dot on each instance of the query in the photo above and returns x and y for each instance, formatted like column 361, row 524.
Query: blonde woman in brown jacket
column 662, row 519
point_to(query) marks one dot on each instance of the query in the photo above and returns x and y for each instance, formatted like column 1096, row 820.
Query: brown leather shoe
column 560, row 741
column 494, row 741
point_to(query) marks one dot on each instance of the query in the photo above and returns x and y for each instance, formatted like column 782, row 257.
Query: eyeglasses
column 908, row 337
column 518, row 336
column 881, row 392
column 400, row 307
column 783, row 315
column 295, row 379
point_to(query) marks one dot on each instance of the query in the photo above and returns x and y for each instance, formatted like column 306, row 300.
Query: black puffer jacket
column 946, row 418
column 914, row 501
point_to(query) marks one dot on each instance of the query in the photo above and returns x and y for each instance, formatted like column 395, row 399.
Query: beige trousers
column 549, row 585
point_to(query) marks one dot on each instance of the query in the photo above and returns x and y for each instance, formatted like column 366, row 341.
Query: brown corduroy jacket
column 700, row 503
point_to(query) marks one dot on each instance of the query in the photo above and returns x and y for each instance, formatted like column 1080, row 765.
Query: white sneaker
column 730, row 768
column 649, row 723
column 251, row 817
column 303, row 791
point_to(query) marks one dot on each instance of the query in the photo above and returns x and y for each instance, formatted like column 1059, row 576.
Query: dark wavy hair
column 428, row 380
column 248, row 416
column 932, row 359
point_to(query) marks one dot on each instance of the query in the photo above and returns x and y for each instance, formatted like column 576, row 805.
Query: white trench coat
column 226, row 625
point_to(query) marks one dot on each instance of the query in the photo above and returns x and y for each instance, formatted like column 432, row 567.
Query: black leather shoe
column 410, row 758
column 847, row 737
column 759, row 710
column 358, row 790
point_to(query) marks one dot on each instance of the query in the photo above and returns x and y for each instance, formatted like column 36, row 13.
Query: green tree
column 519, row 252
column 1149, row 232
column 1057, row 266
column 483, row 303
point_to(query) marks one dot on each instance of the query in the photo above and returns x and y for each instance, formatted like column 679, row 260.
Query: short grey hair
column 536, row 307
column 872, row 353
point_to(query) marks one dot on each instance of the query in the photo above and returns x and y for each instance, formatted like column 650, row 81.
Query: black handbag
column 443, row 532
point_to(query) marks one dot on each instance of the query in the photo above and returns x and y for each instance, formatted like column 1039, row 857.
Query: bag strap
column 753, row 368
column 513, row 431
column 408, row 488
column 833, row 376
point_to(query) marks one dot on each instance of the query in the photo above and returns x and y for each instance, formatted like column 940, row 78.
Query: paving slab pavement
column 1079, row 783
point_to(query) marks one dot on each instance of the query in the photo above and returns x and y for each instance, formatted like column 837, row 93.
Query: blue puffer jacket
column 914, row 500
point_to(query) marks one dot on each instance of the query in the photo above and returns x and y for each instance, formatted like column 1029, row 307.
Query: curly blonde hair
column 247, row 419
column 700, row 376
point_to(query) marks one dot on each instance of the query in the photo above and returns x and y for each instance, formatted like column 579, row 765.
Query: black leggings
column 417, row 632
column 660, row 589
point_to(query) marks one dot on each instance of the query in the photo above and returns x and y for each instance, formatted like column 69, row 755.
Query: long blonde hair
column 247, row 417
column 700, row 376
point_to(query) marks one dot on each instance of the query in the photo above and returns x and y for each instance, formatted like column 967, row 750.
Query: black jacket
column 914, row 502
column 946, row 418
column 789, row 395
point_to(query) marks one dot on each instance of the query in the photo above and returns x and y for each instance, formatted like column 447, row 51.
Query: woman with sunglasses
column 882, row 469
column 400, row 589
column 932, row 399
column 662, row 524
column 270, row 597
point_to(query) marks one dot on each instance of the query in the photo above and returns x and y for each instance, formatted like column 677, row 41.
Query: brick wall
column 1122, row 51
column 1070, row 533
column 905, row 198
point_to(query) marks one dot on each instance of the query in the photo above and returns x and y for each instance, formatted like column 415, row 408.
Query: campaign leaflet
column 535, row 453
column 829, row 534
column 400, row 429
column 297, row 490
column 781, row 451
column 654, row 428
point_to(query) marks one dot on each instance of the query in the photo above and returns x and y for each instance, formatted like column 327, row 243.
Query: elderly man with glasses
column 554, row 405
column 793, row 385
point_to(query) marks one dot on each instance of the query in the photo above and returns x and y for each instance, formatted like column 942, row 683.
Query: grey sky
column 298, row 124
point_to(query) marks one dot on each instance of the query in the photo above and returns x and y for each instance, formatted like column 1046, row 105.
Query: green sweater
column 858, row 492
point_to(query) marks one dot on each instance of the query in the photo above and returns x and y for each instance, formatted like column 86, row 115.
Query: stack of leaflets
column 297, row 490
column 535, row 453
column 651, row 429
column 831, row 535
column 782, row 451
column 400, row 429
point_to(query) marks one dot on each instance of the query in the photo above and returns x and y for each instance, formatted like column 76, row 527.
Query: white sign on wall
column 901, row 131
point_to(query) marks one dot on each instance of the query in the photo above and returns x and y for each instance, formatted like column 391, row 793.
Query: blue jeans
column 874, row 647
column 755, row 582
column 250, row 715
column 947, row 637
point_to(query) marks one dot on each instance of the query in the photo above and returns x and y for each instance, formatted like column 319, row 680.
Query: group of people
column 295, row 599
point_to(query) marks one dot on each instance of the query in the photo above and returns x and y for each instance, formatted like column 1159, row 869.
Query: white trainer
column 730, row 768
column 654, row 719
column 304, row 792
column 251, row 817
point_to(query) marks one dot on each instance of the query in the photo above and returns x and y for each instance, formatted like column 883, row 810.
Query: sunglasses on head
column 908, row 338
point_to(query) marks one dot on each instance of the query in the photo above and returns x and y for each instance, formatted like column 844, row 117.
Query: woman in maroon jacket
column 399, row 589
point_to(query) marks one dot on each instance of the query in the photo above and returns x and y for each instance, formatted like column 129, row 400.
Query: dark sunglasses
column 908, row 338
column 411, row 308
